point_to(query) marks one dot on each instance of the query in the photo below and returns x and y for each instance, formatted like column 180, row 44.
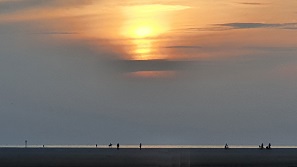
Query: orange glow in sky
column 190, row 29
column 144, row 22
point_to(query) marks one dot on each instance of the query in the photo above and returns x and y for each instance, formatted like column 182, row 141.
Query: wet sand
column 163, row 157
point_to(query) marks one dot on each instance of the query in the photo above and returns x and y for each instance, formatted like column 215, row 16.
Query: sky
column 190, row 72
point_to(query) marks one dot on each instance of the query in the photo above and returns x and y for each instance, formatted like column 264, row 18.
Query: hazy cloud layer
column 9, row 6
column 287, row 49
column 153, row 65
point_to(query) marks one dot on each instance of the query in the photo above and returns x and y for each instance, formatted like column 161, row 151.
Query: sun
column 143, row 31
column 143, row 26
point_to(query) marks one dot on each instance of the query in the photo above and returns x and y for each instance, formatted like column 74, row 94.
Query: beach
column 132, row 157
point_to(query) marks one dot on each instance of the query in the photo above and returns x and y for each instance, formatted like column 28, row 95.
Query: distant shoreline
column 134, row 157
column 137, row 146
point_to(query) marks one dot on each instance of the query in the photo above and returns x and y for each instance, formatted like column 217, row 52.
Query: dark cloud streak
column 183, row 47
column 56, row 33
column 259, row 25
column 153, row 65
column 238, row 25
column 251, row 3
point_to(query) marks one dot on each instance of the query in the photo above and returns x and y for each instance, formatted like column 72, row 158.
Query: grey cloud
column 28, row 27
column 19, row 5
column 12, row 6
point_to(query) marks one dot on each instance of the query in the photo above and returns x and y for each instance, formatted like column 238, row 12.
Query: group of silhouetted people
column 260, row 146
column 118, row 146
column 226, row 146
column 110, row 145
column 267, row 147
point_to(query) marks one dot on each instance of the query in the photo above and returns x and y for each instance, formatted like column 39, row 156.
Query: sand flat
column 163, row 157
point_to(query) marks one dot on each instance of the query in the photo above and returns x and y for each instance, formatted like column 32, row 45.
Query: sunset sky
column 151, row 71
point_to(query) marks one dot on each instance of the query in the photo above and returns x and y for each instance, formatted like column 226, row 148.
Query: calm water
column 143, row 146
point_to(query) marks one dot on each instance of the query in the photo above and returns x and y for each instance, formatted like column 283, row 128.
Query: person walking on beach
column 226, row 146
column 140, row 146
column 269, row 146
column 261, row 146
column 118, row 146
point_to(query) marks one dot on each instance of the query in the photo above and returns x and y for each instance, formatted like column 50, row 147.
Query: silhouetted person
column 26, row 143
column 96, row 145
column 269, row 146
column 43, row 146
column 261, row 146
column 140, row 146
column 118, row 146
column 226, row 146
column 110, row 145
